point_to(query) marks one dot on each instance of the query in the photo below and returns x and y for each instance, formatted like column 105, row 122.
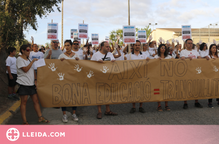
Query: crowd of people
column 22, row 73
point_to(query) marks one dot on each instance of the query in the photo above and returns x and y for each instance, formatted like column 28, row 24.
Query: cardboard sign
column 84, row 83
column 186, row 32
column 83, row 31
column 107, row 38
column 52, row 31
column 142, row 37
column 72, row 32
column 129, row 36
column 75, row 37
column 95, row 39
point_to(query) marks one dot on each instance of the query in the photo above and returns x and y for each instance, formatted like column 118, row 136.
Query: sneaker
column 65, row 118
column 15, row 96
column 210, row 105
column 185, row 106
column 11, row 97
column 198, row 105
column 74, row 117
column 141, row 110
column 133, row 110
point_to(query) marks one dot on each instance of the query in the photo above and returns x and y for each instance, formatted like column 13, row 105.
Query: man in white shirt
column 104, row 54
column 145, row 50
column 77, row 50
column 137, row 55
column 189, row 53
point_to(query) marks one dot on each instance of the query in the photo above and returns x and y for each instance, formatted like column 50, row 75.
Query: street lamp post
column 62, row 24
column 153, row 25
column 129, row 12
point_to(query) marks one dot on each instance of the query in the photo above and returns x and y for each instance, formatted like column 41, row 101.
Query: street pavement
column 87, row 115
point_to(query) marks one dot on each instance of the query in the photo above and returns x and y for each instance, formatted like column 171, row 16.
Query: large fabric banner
column 85, row 83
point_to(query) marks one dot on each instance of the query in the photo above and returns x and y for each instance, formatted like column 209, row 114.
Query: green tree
column 16, row 16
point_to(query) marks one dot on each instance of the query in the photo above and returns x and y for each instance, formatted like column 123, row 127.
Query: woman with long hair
column 203, row 50
column 69, row 55
column 163, row 54
column 213, row 55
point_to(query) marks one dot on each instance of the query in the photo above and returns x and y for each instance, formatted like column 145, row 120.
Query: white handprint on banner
column 52, row 67
column 105, row 69
column 215, row 69
column 199, row 70
column 77, row 68
column 90, row 74
column 61, row 76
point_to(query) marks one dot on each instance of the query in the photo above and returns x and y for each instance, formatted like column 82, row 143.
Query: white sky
column 104, row 16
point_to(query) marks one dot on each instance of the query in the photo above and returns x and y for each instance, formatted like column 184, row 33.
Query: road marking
column 7, row 114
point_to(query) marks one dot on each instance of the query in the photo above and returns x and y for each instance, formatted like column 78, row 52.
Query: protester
column 77, row 50
column 152, row 50
column 88, row 51
column 188, row 53
column 104, row 54
column 213, row 55
column 69, row 55
column 42, row 49
column 35, row 54
column 27, row 83
column 203, row 51
column 11, row 73
column 118, row 54
column 163, row 54
column 137, row 55
column 145, row 50
column 53, row 53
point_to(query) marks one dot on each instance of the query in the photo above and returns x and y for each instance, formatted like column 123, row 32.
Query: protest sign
column 186, row 32
column 142, row 37
column 95, row 39
column 75, row 37
column 72, row 32
column 52, row 31
column 129, row 36
column 83, row 31
column 83, row 83
column 107, row 38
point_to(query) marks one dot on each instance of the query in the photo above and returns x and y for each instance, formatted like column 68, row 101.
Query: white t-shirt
column 11, row 62
column 99, row 56
column 152, row 51
column 136, row 57
column 193, row 54
column 203, row 53
column 122, row 55
column 37, row 55
column 26, row 79
column 80, row 54
column 146, row 53
column 66, row 57
column 168, row 57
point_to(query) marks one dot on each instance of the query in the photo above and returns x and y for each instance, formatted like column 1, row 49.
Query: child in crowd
column 11, row 73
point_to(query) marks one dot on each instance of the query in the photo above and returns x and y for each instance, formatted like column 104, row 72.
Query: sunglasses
column 55, row 42
column 75, row 44
column 27, row 50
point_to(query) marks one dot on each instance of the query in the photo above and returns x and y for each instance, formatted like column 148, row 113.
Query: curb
column 8, row 114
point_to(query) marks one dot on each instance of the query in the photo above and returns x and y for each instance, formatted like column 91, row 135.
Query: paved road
column 87, row 115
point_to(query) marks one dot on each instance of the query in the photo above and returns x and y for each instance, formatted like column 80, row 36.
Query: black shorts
column 26, row 90
column 12, row 82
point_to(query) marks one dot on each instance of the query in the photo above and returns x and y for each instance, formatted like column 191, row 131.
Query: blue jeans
column 73, row 108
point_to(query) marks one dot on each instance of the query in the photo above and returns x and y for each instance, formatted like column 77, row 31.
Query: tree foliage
column 15, row 17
